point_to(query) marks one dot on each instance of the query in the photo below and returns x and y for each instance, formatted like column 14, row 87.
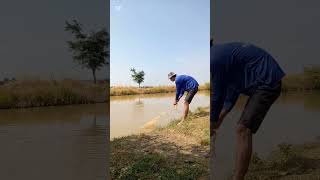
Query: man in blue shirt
column 242, row 68
column 184, row 83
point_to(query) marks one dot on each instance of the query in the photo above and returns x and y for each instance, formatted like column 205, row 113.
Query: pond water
column 66, row 142
column 69, row 142
column 140, row 113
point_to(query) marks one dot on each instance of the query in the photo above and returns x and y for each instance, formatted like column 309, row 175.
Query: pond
column 66, row 142
column 140, row 113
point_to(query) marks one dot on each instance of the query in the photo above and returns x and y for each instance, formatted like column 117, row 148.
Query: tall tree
column 90, row 50
column 137, row 77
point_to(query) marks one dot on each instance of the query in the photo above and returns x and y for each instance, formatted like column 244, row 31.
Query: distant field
column 306, row 81
column 129, row 90
column 37, row 93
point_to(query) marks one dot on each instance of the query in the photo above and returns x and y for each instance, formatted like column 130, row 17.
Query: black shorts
column 258, row 105
column 190, row 95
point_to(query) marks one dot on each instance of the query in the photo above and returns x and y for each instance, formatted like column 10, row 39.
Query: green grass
column 156, row 166
column 130, row 90
column 37, row 93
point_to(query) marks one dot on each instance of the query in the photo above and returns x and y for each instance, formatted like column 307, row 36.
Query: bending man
column 184, row 83
column 240, row 68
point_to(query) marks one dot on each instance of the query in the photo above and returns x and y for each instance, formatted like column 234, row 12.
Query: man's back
column 186, row 82
column 239, row 68
column 244, row 66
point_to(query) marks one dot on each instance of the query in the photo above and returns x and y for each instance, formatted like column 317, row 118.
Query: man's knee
column 242, row 130
column 186, row 103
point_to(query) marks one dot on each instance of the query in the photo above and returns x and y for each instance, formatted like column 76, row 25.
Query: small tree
column 90, row 50
column 137, row 77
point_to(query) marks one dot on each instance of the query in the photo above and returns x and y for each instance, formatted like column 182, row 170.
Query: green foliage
column 137, row 77
column 90, row 50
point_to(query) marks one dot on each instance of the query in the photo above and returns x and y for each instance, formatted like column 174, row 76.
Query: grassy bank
column 288, row 162
column 308, row 80
column 37, row 93
column 129, row 90
column 172, row 152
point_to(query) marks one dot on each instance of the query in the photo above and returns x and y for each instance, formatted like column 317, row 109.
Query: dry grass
column 129, row 90
column 36, row 93
column 288, row 162
column 308, row 80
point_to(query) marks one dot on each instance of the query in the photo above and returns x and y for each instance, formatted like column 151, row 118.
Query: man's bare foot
column 180, row 122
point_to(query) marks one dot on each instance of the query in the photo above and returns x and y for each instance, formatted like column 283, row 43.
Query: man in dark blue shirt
column 184, row 83
column 242, row 68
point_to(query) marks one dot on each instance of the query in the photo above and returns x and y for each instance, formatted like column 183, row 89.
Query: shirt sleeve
column 219, row 87
column 231, row 99
column 179, row 91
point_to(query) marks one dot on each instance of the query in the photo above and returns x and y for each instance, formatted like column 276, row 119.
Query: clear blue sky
column 159, row 36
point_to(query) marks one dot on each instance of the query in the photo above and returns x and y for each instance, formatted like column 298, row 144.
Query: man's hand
column 215, row 126
column 213, row 132
column 175, row 102
column 222, row 115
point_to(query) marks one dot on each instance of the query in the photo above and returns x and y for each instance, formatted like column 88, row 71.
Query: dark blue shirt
column 239, row 68
column 184, row 83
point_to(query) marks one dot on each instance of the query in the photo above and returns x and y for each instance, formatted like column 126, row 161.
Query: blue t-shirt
column 184, row 83
column 239, row 68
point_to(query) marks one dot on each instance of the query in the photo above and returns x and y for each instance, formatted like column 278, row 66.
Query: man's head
column 172, row 76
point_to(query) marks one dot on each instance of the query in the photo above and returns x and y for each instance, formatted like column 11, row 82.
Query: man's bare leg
column 244, row 150
column 185, row 112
